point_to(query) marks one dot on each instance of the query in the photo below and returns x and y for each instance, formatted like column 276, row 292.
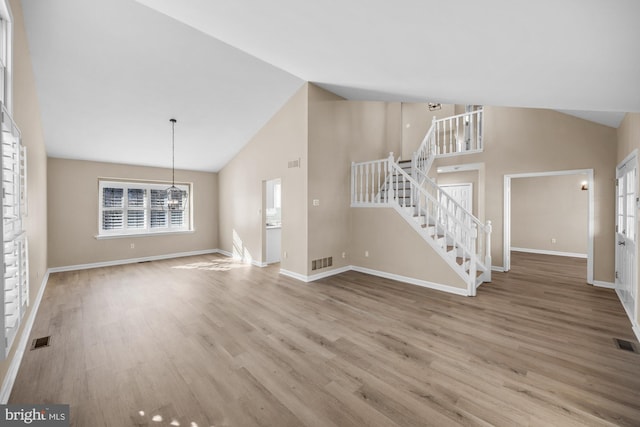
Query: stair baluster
column 462, row 240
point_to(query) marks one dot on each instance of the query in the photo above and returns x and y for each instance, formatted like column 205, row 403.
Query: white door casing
column 506, row 254
column 626, row 233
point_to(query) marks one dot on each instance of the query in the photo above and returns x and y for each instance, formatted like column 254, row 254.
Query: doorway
column 463, row 195
column 587, row 185
column 626, row 233
column 273, row 220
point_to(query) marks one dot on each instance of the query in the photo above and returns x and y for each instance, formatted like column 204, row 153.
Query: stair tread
column 398, row 190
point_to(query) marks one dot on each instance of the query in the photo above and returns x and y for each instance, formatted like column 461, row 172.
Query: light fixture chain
column 173, row 152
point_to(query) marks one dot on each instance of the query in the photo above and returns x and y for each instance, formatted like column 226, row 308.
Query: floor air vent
column 625, row 345
column 317, row 264
column 40, row 342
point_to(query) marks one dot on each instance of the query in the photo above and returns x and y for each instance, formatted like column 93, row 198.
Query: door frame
column 590, row 214
column 631, row 157
column 463, row 184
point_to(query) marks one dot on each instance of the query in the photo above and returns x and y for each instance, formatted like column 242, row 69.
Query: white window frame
column 6, row 37
column 187, row 227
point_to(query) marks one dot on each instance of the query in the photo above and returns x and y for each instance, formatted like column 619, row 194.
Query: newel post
column 487, row 251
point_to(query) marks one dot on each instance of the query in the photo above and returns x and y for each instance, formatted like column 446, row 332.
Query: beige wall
column 265, row 157
column 522, row 140
column 26, row 113
column 329, row 178
column 466, row 177
column 550, row 207
column 394, row 247
column 73, row 214
column 628, row 136
column 628, row 141
column 416, row 121
column 341, row 132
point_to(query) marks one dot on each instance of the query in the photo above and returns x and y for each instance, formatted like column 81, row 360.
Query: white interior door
column 626, row 234
column 463, row 194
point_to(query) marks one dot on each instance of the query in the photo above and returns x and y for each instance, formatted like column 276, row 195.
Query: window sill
column 127, row 235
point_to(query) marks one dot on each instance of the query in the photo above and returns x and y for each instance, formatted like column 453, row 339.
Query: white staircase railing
column 461, row 134
column 462, row 240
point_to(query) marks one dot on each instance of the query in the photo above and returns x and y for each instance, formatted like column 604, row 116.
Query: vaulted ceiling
column 110, row 73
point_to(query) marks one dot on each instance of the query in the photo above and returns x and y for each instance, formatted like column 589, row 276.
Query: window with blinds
column 138, row 208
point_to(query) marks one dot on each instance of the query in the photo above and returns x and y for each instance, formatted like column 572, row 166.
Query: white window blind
column 158, row 214
column 136, row 212
column 138, row 208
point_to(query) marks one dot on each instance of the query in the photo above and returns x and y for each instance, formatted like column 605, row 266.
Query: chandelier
column 176, row 199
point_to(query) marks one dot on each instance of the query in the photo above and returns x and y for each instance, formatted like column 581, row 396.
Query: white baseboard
column 384, row 274
column 497, row 268
column 545, row 252
column 317, row 276
column 131, row 260
column 14, row 365
column 225, row 253
column 243, row 260
column 329, row 273
column 294, row 275
column 412, row 281
column 601, row 284
column 636, row 330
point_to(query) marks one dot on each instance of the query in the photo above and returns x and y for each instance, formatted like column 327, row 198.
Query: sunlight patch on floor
column 157, row 418
column 214, row 265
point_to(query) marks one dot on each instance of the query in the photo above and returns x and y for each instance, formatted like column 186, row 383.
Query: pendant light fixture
column 176, row 199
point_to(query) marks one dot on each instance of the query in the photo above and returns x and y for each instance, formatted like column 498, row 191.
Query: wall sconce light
column 434, row 106
column 585, row 186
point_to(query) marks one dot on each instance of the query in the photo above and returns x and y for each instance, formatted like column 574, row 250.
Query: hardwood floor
column 203, row 341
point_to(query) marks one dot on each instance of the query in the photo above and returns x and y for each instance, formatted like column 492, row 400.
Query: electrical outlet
column 553, row 240
column 344, row 255
column 366, row 254
column 133, row 245
column 316, row 202
column 285, row 254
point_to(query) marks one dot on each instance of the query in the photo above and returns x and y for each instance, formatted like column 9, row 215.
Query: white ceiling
column 110, row 74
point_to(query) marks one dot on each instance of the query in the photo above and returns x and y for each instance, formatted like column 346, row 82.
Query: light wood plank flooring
column 204, row 340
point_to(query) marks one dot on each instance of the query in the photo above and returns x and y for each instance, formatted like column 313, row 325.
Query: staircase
column 461, row 239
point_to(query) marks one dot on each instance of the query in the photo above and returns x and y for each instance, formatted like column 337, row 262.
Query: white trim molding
column 412, row 281
column 545, row 252
column 506, row 246
column 315, row 277
column 632, row 157
column 242, row 259
column 460, row 168
column 601, row 284
column 14, row 365
column 497, row 268
column 378, row 273
column 132, row 260
column 294, row 275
